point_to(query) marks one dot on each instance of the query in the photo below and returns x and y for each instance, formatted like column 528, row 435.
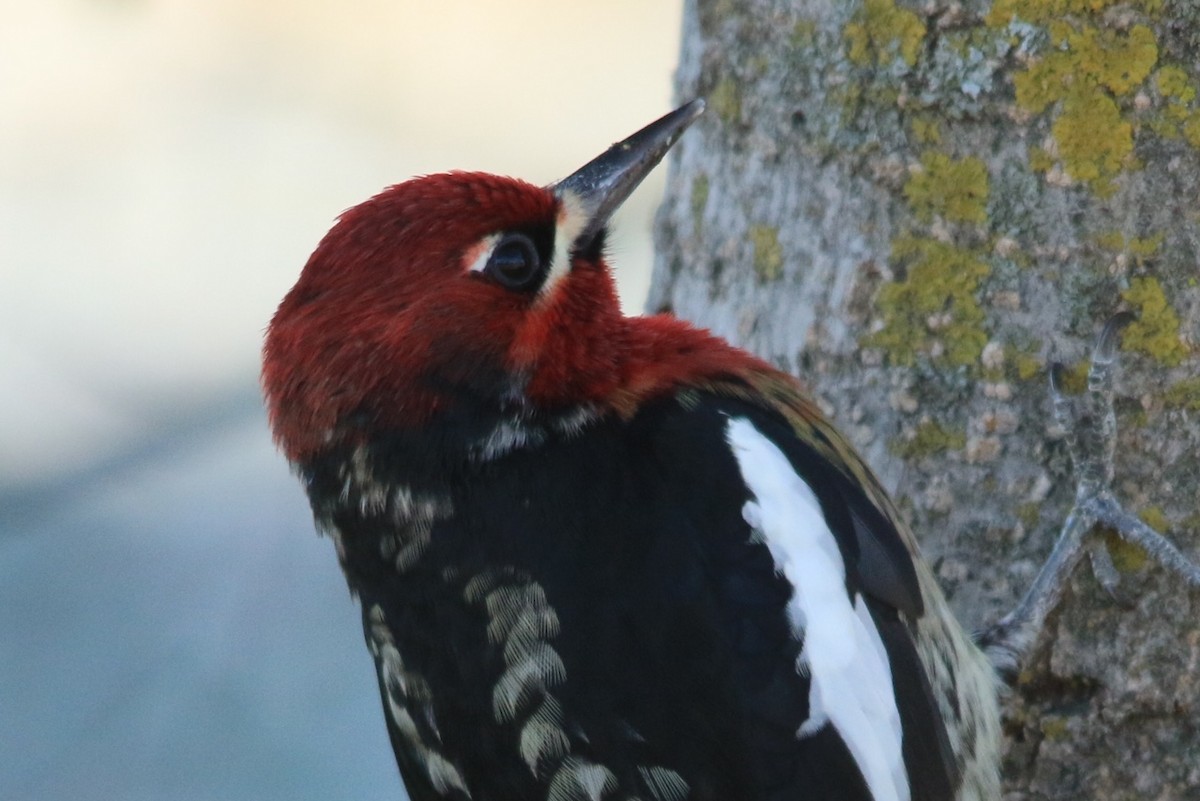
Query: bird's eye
column 515, row 262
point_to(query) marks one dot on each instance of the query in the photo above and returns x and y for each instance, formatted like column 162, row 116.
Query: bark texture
column 916, row 208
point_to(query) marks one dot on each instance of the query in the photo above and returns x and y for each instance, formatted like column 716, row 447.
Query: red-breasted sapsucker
column 598, row 556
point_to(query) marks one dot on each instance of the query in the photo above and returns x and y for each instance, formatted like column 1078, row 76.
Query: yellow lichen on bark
column 1093, row 140
column 934, row 311
column 768, row 254
column 880, row 32
column 1085, row 71
column 955, row 190
column 1040, row 11
column 928, row 439
column 1156, row 330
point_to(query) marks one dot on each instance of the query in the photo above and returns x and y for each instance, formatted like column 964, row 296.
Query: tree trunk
column 916, row 209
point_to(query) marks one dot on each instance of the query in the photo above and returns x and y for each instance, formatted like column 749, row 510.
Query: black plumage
column 671, row 664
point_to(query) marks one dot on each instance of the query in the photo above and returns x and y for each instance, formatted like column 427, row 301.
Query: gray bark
column 916, row 209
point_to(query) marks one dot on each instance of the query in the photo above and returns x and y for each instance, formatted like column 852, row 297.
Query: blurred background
column 170, row 625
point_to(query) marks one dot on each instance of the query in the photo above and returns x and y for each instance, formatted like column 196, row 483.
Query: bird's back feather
column 586, row 612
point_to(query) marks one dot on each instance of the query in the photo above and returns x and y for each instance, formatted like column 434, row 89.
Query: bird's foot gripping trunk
column 1090, row 423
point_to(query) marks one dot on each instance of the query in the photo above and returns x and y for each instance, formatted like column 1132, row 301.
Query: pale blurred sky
column 170, row 625
column 167, row 166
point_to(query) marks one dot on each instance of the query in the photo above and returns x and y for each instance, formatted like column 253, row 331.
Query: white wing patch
column 850, row 677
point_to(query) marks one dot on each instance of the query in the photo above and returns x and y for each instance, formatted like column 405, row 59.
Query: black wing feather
column 673, row 628
column 881, row 567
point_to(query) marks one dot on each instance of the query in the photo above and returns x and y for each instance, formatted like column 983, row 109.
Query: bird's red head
column 468, row 291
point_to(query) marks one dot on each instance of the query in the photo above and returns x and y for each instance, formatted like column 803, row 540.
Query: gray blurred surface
column 171, row 627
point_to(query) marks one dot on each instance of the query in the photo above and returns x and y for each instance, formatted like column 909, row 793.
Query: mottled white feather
column 403, row 689
column 542, row 736
column 581, row 780
column 664, row 784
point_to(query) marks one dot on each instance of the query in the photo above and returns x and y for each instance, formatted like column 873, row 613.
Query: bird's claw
column 1130, row 527
column 1106, row 572
column 1090, row 425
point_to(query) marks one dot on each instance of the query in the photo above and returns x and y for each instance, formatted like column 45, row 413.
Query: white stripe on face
column 475, row 260
column 571, row 219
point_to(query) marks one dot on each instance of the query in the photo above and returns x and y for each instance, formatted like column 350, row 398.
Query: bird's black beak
column 604, row 183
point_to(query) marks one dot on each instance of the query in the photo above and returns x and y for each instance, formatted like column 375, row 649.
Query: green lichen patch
column 1093, row 140
column 1040, row 160
column 1074, row 378
column 1054, row 727
column 1029, row 514
column 1041, row 11
column 1083, row 59
column 934, row 310
column 926, row 129
column 928, row 439
column 1156, row 330
column 1083, row 74
column 757, row 65
column 1155, row 518
column 1184, row 394
column 1191, row 129
column 1127, row 557
column 699, row 199
column 1003, row 12
column 1119, row 62
column 726, row 101
column 956, row 190
column 1144, row 247
column 1172, row 82
column 1178, row 115
column 1141, row 249
column 768, row 253
column 1025, row 365
column 880, row 33
column 804, row 34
